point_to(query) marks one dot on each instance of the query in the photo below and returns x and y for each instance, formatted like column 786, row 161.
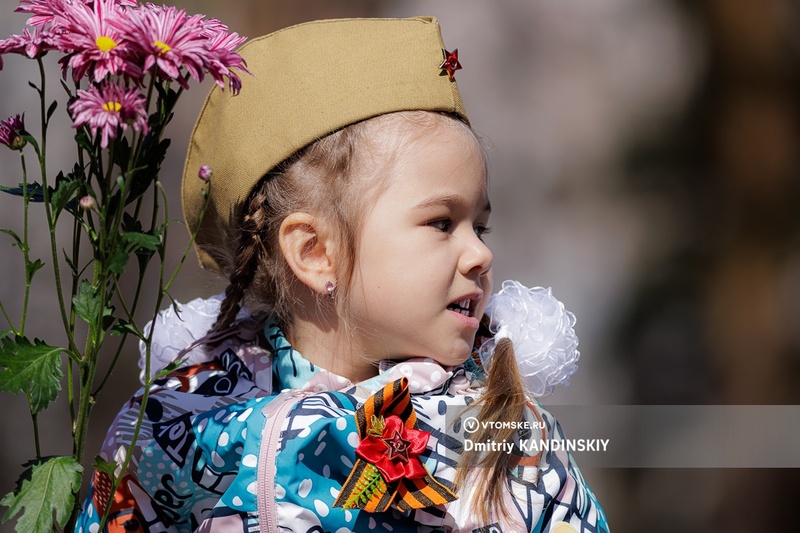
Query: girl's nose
column 477, row 256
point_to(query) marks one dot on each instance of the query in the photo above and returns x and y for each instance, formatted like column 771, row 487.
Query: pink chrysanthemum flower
column 93, row 42
column 213, row 26
column 167, row 38
column 42, row 11
column 108, row 108
column 221, row 59
column 11, row 131
column 31, row 44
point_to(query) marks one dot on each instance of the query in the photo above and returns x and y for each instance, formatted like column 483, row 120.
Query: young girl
column 347, row 204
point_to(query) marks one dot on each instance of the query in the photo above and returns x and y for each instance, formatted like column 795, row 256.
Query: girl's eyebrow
column 451, row 201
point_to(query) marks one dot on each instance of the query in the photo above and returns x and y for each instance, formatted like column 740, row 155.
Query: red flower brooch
column 388, row 470
column 394, row 449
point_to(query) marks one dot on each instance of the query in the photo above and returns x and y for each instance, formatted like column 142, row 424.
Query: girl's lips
column 468, row 322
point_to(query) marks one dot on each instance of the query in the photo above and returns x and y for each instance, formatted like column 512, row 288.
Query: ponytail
column 503, row 401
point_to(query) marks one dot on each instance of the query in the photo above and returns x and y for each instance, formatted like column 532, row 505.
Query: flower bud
column 87, row 202
column 205, row 173
column 11, row 131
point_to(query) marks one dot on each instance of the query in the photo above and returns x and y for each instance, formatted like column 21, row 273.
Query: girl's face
column 423, row 275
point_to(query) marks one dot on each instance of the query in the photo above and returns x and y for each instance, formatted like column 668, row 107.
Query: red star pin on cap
column 450, row 63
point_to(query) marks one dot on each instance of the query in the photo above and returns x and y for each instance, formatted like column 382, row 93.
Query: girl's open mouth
column 465, row 307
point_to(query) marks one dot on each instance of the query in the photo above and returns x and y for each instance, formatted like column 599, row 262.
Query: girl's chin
column 454, row 358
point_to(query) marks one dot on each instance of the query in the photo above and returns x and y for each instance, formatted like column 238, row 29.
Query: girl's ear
column 307, row 246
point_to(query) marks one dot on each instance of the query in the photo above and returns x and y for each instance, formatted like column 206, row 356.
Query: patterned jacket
column 257, row 438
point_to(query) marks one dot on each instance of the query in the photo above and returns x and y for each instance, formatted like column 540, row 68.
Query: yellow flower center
column 163, row 47
column 112, row 107
column 105, row 44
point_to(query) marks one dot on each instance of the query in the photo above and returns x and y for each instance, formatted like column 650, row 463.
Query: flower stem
column 49, row 214
column 35, row 419
column 5, row 315
column 25, row 246
column 129, row 313
column 192, row 237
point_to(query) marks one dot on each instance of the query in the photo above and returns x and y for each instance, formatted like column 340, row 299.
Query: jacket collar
column 290, row 370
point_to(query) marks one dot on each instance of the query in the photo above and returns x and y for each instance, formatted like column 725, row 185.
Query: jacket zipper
column 276, row 411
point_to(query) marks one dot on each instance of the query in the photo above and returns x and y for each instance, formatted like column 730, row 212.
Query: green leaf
column 143, row 240
column 83, row 139
column 17, row 239
column 87, row 303
column 150, row 159
column 108, row 467
column 108, row 317
column 65, row 190
column 35, row 193
column 170, row 368
column 131, row 224
column 124, row 326
column 122, row 152
column 117, row 262
column 72, row 267
column 34, row 266
column 52, row 109
column 30, row 139
column 47, row 487
column 34, row 369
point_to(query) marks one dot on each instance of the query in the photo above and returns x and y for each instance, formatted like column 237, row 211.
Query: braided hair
column 250, row 251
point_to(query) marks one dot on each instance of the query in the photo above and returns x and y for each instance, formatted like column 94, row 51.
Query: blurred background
column 644, row 161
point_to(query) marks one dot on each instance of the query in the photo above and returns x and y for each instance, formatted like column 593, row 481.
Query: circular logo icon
column 471, row 424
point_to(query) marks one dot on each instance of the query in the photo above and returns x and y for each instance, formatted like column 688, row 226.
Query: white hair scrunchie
column 541, row 329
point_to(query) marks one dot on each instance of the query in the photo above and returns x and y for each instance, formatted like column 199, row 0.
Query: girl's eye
column 482, row 231
column 443, row 224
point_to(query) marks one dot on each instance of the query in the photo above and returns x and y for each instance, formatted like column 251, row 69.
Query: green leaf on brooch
column 376, row 426
column 32, row 368
column 368, row 486
column 46, row 488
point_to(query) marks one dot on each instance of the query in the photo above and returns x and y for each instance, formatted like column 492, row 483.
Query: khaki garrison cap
column 308, row 81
